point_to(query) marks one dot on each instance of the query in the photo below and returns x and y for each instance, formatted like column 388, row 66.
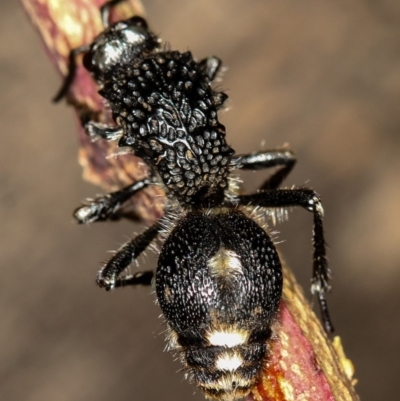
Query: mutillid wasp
column 219, row 277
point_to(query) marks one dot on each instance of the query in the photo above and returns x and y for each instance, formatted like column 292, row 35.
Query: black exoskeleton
column 219, row 278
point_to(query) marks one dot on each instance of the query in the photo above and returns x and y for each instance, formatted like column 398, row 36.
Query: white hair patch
column 228, row 338
column 225, row 263
column 229, row 362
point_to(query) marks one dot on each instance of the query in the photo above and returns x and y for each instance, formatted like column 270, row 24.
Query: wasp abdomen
column 219, row 290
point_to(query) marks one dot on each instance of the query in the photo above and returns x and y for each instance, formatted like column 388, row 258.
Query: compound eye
column 87, row 61
column 138, row 21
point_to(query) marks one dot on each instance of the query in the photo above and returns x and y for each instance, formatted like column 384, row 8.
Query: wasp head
column 119, row 45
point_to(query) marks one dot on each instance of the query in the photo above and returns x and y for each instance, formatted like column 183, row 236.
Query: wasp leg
column 309, row 200
column 141, row 278
column 211, row 65
column 71, row 72
column 106, row 207
column 97, row 130
column 105, row 11
column 267, row 159
column 108, row 276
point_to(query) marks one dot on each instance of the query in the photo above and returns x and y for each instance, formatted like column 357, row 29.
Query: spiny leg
column 141, row 278
column 97, row 130
column 267, row 159
column 108, row 276
column 309, row 200
column 71, row 72
column 106, row 207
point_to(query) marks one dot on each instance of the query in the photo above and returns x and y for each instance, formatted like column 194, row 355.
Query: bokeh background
column 323, row 76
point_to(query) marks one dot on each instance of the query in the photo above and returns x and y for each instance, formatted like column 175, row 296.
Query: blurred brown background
column 323, row 76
